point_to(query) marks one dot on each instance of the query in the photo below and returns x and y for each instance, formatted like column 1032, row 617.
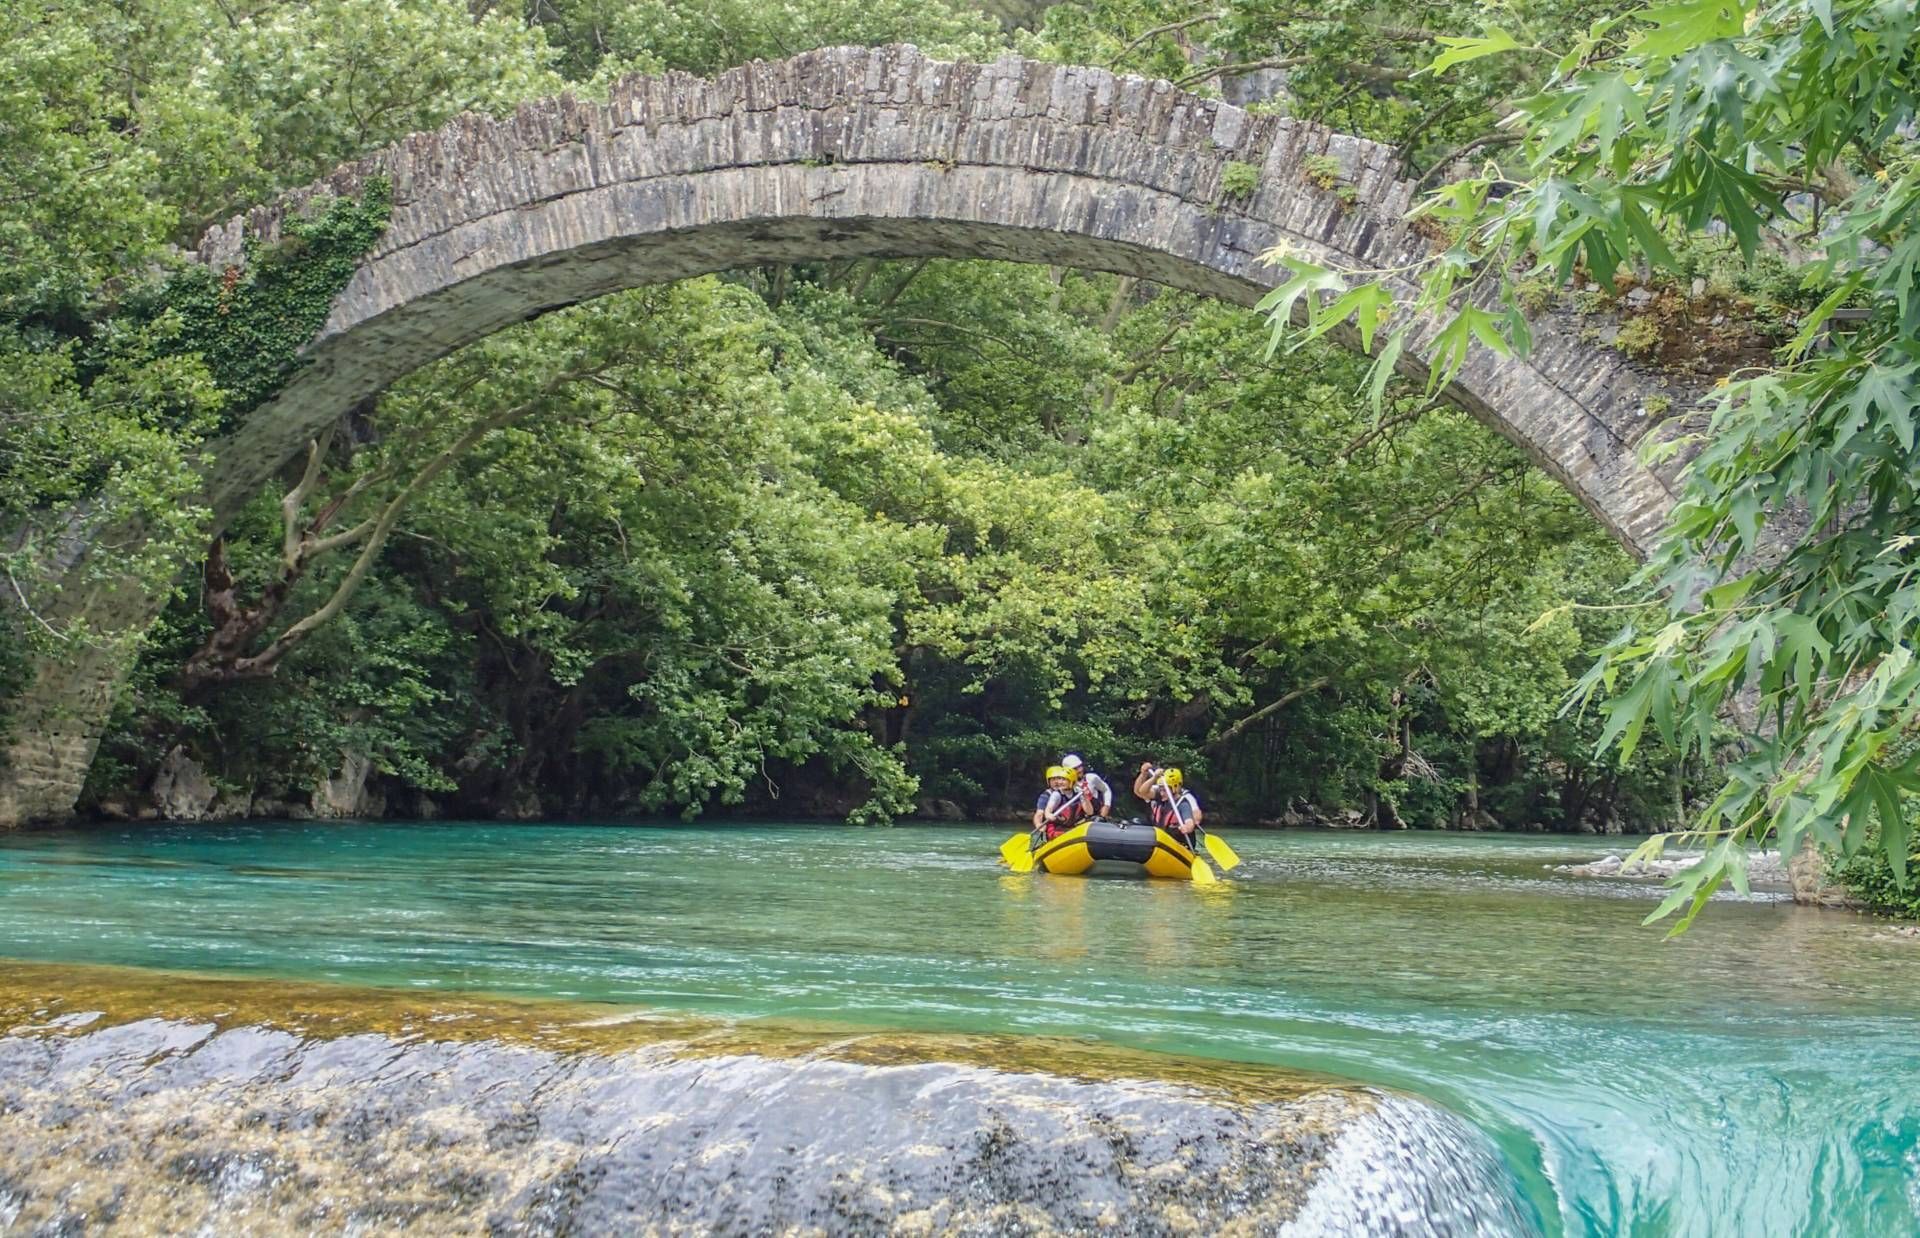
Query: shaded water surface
column 1755, row 1076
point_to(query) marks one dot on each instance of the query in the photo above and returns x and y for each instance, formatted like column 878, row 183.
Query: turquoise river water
column 1760, row 1075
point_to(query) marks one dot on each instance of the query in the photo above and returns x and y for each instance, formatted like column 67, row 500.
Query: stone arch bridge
column 844, row 152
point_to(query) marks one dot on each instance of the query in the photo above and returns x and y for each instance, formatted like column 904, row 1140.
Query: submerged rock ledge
column 177, row 1124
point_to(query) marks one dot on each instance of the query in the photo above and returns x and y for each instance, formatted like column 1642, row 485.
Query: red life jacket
column 1075, row 811
column 1164, row 815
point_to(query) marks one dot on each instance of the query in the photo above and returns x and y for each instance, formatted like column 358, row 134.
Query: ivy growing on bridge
column 249, row 321
column 194, row 353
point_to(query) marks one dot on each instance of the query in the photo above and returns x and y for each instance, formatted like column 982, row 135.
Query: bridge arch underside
column 1595, row 462
column 830, row 156
column 412, row 325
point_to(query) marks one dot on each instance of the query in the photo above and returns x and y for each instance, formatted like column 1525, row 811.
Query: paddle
column 1202, row 873
column 1222, row 854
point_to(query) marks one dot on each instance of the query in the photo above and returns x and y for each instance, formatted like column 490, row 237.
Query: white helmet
column 1072, row 761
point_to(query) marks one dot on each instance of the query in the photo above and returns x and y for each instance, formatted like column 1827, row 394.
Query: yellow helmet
column 1173, row 779
column 1057, row 771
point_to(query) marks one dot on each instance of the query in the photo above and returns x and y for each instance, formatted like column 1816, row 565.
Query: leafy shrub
column 1320, row 171
column 1639, row 337
column 1238, row 180
column 1871, row 878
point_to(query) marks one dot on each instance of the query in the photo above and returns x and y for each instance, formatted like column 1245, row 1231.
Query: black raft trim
column 1117, row 841
column 1090, row 842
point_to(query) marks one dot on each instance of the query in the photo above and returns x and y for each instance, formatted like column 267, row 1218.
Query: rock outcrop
column 1763, row 867
column 181, row 789
column 182, row 1126
column 348, row 793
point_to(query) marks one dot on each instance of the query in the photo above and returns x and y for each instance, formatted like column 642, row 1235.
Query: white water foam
column 1412, row 1170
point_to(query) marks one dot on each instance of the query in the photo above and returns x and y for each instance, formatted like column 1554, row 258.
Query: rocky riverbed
column 210, row 1120
column 1763, row 867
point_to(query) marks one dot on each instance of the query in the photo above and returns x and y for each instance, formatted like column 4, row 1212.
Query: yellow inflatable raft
column 1116, row 845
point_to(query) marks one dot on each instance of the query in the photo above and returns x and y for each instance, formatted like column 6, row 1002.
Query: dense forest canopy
column 837, row 537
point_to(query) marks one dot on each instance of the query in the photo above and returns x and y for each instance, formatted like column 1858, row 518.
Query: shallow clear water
column 1757, row 1076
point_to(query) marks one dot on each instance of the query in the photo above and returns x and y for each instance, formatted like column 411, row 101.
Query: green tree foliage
column 76, row 208
column 1789, row 563
column 824, row 536
column 1869, row 875
column 645, row 580
column 124, row 128
column 730, row 554
column 1352, row 64
column 316, row 83
column 602, row 39
column 138, row 123
column 1398, row 567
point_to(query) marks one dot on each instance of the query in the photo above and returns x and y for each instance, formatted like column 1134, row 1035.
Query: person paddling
column 1143, row 782
column 1173, row 807
column 1058, row 807
column 1095, row 791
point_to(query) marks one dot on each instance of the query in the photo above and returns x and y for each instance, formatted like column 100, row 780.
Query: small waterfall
column 166, row 1125
column 1409, row 1168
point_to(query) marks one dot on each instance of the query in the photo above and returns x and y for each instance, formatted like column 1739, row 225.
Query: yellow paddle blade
column 1018, row 853
column 1202, row 872
column 1222, row 854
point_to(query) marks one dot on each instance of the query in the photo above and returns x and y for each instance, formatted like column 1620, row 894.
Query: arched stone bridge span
column 884, row 152
column 844, row 152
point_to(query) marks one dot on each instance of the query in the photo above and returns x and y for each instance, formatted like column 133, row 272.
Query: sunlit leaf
column 1681, row 27
column 1461, row 50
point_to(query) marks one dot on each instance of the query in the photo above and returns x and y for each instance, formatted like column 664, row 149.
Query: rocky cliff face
column 181, row 790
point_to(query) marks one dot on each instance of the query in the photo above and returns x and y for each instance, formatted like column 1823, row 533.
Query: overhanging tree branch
column 1265, row 711
column 1169, row 28
column 222, row 658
